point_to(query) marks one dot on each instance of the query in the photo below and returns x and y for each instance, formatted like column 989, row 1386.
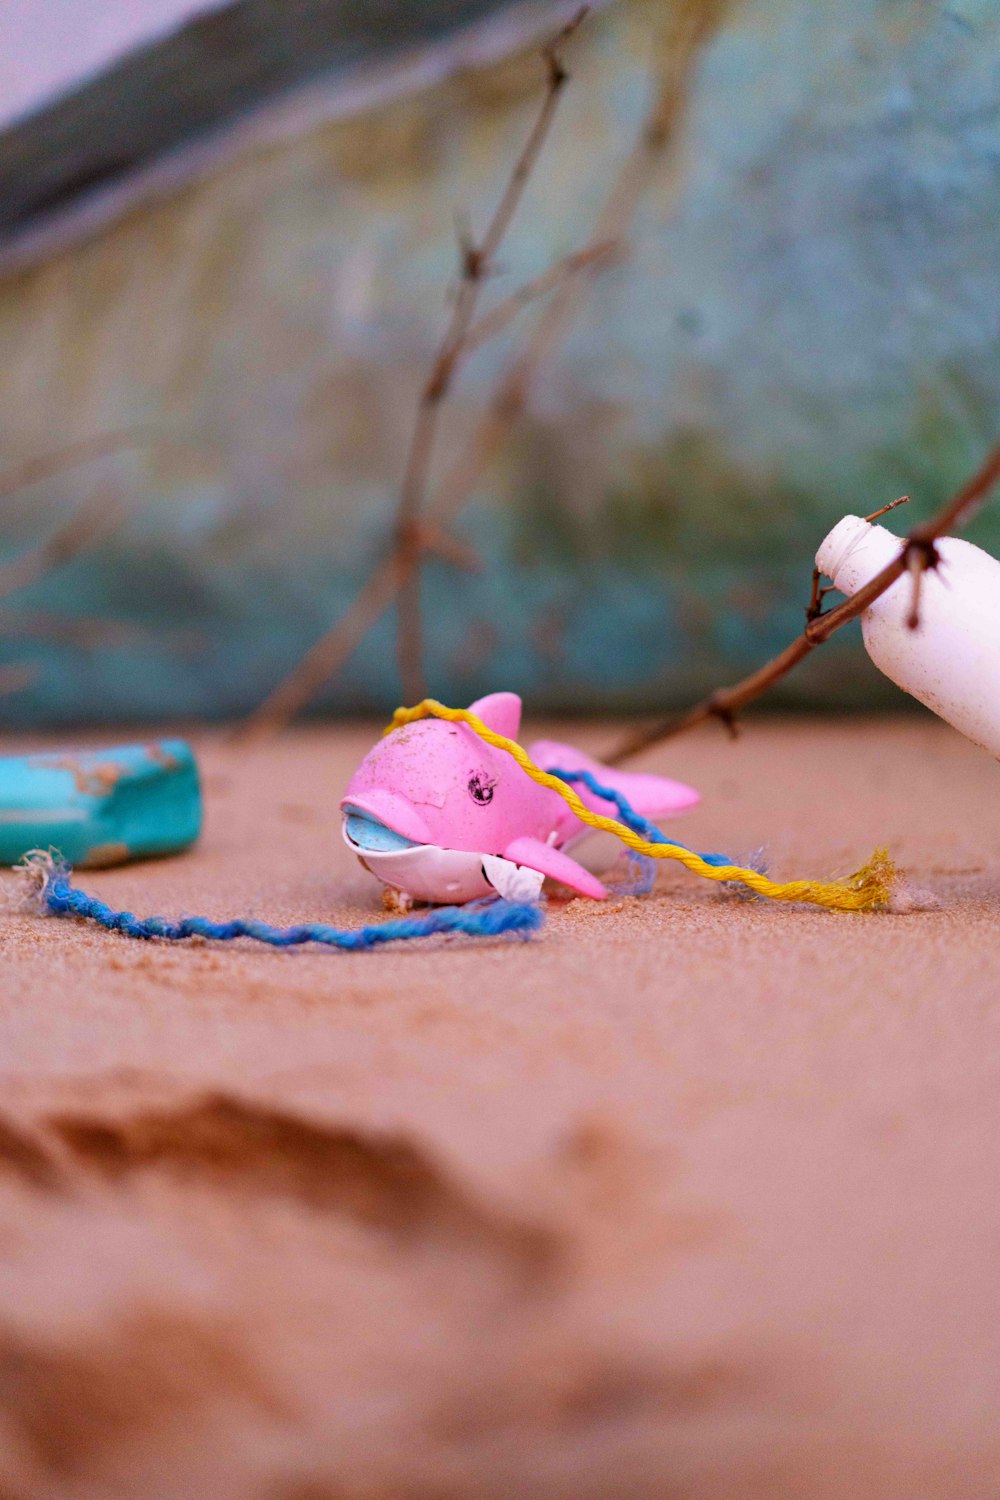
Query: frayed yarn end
column 735, row 890
column 632, row 875
column 876, row 882
column 33, row 874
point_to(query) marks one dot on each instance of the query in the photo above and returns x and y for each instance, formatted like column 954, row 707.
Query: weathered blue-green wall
column 812, row 328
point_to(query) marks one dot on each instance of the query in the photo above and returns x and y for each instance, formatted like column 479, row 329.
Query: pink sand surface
column 689, row 1197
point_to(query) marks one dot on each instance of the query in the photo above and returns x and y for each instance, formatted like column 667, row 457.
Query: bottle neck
column 855, row 551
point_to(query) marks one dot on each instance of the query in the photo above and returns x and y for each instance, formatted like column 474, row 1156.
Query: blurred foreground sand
column 687, row 1197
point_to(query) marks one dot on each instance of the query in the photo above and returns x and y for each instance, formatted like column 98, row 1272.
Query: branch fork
column 917, row 553
column 687, row 31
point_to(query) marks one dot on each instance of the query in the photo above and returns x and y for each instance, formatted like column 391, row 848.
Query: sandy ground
column 685, row 1198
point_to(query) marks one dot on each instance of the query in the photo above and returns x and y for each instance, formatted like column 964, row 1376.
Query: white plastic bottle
column 951, row 662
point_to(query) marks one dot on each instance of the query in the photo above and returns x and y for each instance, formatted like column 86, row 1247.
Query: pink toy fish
column 436, row 813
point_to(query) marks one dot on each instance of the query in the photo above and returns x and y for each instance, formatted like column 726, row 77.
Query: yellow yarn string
column 868, row 889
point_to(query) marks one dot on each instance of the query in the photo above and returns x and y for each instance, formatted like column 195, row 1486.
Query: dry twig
column 917, row 553
column 66, row 542
column 818, row 593
column 72, row 455
column 85, row 524
column 397, row 576
column 88, row 522
column 90, row 632
column 477, row 263
column 497, row 319
column 689, row 28
column 692, row 24
column 332, row 648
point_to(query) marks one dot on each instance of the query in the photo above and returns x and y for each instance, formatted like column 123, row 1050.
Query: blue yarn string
column 488, row 918
column 478, row 919
column 630, row 817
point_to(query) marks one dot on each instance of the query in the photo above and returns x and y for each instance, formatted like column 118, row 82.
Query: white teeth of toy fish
column 512, row 882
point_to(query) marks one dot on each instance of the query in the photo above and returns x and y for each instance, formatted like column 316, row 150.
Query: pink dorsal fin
column 652, row 796
column 500, row 712
column 553, row 862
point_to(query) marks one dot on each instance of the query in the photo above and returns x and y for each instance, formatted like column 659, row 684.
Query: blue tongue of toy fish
column 369, row 833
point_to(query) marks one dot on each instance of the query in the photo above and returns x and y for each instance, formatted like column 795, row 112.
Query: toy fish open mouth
column 369, row 835
column 428, row 872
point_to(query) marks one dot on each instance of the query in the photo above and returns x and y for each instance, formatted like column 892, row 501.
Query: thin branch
column 71, row 455
column 497, row 319
column 885, row 509
column 89, row 520
column 335, row 646
column 916, row 554
column 397, row 577
column 916, row 565
column 691, row 26
column 91, row 631
column 817, row 593
column 75, row 535
column 330, row 652
column 437, row 542
column 477, row 264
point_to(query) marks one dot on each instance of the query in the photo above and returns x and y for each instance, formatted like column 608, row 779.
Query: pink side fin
column 652, row 796
column 500, row 712
column 539, row 856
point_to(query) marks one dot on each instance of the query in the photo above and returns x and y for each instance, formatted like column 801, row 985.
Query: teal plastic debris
column 100, row 807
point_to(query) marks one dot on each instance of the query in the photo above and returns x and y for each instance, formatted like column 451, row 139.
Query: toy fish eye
column 481, row 789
